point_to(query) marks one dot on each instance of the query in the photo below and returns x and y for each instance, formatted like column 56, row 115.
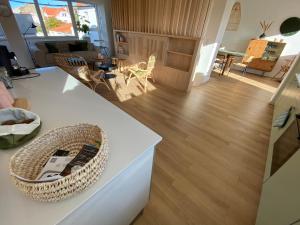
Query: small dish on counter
column 17, row 126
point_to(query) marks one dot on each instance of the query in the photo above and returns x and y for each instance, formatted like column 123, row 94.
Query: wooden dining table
column 229, row 56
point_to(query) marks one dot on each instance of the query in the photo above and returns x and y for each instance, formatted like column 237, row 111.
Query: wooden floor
column 210, row 165
column 262, row 81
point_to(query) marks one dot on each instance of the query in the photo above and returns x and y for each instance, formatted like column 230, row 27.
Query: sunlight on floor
column 253, row 82
column 120, row 91
column 134, row 89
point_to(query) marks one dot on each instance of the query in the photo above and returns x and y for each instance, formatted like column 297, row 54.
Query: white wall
column 211, row 40
column 254, row 11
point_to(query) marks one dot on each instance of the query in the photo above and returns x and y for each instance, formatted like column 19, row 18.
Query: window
column 85, row 14
column 56, row 17
column 25, row 13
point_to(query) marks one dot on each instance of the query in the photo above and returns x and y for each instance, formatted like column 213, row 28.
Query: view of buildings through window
column 85, row 14
column 55, row 17
column 26, row 14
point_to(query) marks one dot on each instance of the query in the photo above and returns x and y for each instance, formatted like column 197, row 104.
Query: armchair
column 143, row 70
column 78, row 67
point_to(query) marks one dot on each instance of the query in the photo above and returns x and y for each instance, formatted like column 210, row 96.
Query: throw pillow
column 51, row 48
column 78, row 46
column 83, row 45
column 75, row 61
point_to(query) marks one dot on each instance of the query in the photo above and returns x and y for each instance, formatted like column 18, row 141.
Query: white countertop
column 60, row 100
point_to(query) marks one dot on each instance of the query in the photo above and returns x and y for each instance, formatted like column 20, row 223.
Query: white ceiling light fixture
column 5, row 10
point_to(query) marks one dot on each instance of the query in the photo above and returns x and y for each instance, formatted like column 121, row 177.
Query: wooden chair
column 219, row 62
column 78, row 67
column 143, row 70
column 243, row 65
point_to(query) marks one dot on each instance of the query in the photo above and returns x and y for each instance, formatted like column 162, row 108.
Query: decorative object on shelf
column 5, row 10
column 265, row 27
column 14, row 129
column 284, row 68
column 121, row 38
column 122, row 44
column 27, row 163
column 290, row 26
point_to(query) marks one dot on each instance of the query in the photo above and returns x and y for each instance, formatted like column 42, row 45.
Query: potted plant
column 85, row 29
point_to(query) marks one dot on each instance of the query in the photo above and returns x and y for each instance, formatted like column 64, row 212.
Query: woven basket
column 26, row 164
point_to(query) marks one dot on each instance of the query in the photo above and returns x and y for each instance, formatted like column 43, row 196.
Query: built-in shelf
column 180, row 53
column 122, row 56
column 178, row 61
column 176, row 68
column 174, row 54
column 123, row 43
column 180, row 45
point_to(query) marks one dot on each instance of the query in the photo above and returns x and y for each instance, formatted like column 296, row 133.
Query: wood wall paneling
column 173, row 17
column 170, row 29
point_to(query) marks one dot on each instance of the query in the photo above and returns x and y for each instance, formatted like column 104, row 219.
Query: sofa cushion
column 83, row 44
column 51, row 47
column 43, row 58
column 78, row 46
column 91, row 46
column 75, row 61
column 63, row 46
column 41, row 46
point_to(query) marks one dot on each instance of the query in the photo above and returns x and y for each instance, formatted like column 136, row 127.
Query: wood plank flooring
column 209, row 167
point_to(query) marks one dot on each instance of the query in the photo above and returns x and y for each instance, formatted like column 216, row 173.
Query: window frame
column 98, row 29
column 72, row 14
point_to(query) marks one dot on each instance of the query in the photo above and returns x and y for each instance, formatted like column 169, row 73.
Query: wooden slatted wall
column 170, row 17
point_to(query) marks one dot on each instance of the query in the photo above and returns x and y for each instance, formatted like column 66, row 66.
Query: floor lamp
column 32, row 26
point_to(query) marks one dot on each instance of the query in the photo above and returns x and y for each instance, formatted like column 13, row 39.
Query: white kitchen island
column 123, row 189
